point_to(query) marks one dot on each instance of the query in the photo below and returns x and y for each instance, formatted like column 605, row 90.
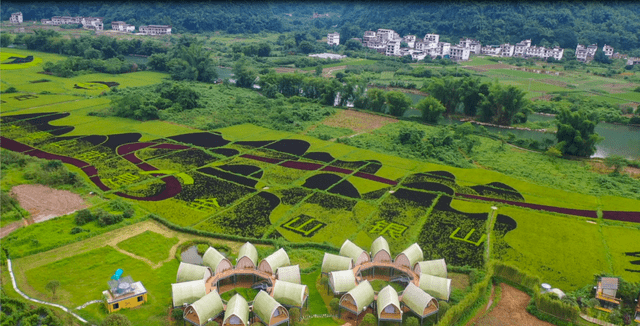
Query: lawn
column 564, row 251
column 150, row 245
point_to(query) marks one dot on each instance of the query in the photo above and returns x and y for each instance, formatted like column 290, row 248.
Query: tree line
column 545, row 23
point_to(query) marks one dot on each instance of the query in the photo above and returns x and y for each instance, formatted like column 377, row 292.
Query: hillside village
column 388, row 42
column 96, row 24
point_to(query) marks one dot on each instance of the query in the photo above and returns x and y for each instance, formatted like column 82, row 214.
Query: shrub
column 116, row 320
column 334, row 304
column 76, row 230
column 369, row 320
column 128, row 213
column 119, row 205
column 294, row 315
column 177, row 314
column 83, row 217
column 10, row 90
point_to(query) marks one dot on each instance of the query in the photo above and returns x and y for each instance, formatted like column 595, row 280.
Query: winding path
column 15, row 287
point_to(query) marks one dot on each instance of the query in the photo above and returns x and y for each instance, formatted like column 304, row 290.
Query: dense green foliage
column 18, row 312
column 74, row 66
column 50, row 173
column 576, row 133
column 560, row 23
column 503, row 105
column 398, row 103
column 144, row 105
column 431, row 109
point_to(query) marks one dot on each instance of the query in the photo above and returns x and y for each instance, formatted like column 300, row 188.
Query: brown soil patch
column 489, row 67
column 459, row 280
column 282, row 70
column 600, row 167
column 357, row 121
column 554, row 82
column 44, row 203
column 511, row 310
column 326, row 72
column 617, row 88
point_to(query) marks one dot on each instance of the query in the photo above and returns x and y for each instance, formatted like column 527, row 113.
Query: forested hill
column 546, row 23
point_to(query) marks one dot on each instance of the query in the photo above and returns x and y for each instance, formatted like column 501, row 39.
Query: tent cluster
column 427, row 280
column 197, row 288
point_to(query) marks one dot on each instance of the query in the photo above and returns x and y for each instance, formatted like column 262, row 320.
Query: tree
column 353, row 45
column 6, row 39
column 318, row 70
column 177, row 314
column 244, row 75
column 470, row 91
column 264, row 49
column 369, row 320
column 502, row 104
column 601, row 57
column 52, row 286
column 376, row 99
column 116, row 320
column 334, row 304
column 447, row 91
column 431, row 109
column 398, row 102
column 618, row 163
column 576, row 132
column 412, row 321
column 92, row 53
column 306, row 47
column 294, row 315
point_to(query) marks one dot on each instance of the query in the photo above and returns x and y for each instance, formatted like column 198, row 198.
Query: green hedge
column 278, row 243
column 468, row 306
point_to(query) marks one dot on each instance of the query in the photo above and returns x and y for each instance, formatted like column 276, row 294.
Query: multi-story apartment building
column 458, row 53
column 521, row 47
column 507, row 50
column 492, row 50
column 155, row 30
column 393, row 48
column 333, row 38
column 94, row 23
column 16, row 18
column 586, row 53
column 431, row 38
column 410, row 40
column 473, row 45
column 369, row 38
column 122, row 26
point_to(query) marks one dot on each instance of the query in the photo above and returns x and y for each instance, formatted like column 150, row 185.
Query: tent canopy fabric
column 416, row 299
column 387, row 296
column 208, row 306
column 362, row 295
column 436, row 267
column 237, row 306
column 249, row 251
column 413, row 253
column 379, row 244
column 289, row 274
column 190, row 272
column 439, row 287
column 332, row 263
column 290, row 294
column 342, row 281
column 277, row 260
column 264, row 306
column 212, row 258
column 351, row 250
column 187, row 292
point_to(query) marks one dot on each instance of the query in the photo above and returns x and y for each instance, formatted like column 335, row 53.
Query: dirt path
column 511, row 310
column 482, row 313
column 327, row 71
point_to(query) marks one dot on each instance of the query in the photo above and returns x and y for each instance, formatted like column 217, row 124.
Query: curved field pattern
column 277, row 188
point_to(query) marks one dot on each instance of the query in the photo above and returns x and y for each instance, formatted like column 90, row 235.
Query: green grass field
column 150, row 245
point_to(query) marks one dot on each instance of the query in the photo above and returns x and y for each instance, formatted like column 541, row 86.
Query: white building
column 587, row 53
column 333, row 38
column 473, row 45
column 608, row 50
column 155, row 30
column 393, row 48
column 16, row 18
column 491, row 50
column 458, row 53
column 521, row 47
column 65, row 20
column 122, row 26
column 369, row 38
column 94, row 23
column 442, row 49
column 410, row 40
column 507, row 50
column 432, row 38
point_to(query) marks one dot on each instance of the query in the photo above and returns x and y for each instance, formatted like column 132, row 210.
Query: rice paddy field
column 259, row 183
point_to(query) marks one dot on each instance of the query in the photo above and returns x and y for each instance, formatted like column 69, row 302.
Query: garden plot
column 44, row 203
column 624, row 249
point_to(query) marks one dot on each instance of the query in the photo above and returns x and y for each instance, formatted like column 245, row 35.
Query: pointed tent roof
column 278, row 259
column 290, row 294
column 362, row 294
column 238, row 306
column 343, row 281
column 387, row 296
column 187, row 292
column 289, row 274
column 332, row 262
column 212, row 258
column 249, row 251
column 208, row 306
column 438, row 287
column 416, row 299
column 264, row 306
column 379, row 244
column 414, row 253
column 190, row 272
column 436, row 267
column 351, row 250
